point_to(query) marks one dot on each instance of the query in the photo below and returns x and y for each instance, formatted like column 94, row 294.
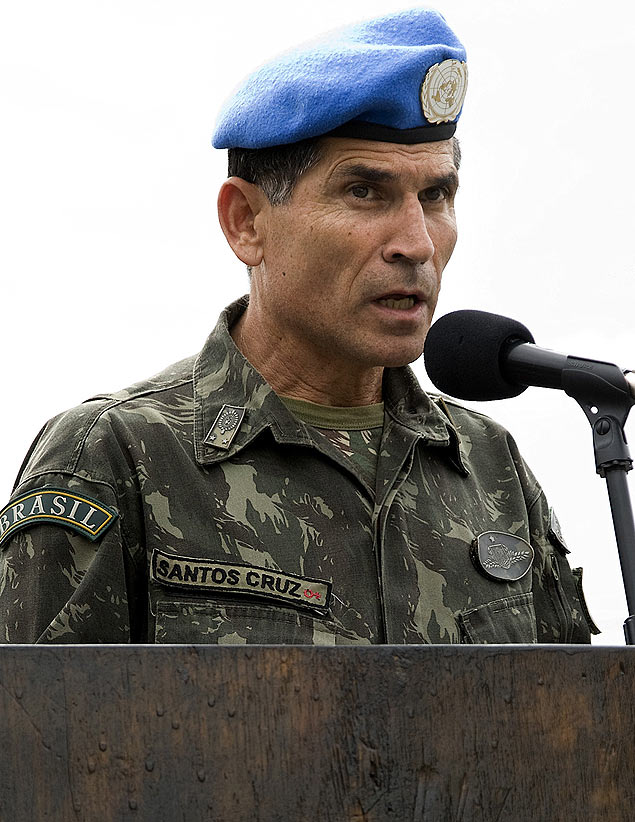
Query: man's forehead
column 343, row 156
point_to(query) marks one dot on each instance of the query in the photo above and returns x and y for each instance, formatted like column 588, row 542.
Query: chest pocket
column 217, row 623
column 510, row 619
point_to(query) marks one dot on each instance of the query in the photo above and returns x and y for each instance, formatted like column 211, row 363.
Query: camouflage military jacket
column 195, row 507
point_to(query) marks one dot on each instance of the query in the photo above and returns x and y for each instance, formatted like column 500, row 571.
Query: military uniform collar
column 224, row 379
column 233, row 404
column 423, row 415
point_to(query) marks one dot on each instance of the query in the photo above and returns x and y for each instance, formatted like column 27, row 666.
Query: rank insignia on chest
column 502, row 557
column 225, row 427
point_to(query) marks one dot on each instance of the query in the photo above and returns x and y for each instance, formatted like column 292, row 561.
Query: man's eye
column 435, row 195
column 360, row 191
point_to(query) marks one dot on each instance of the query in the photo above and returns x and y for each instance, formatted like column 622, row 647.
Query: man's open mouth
column 402, row 303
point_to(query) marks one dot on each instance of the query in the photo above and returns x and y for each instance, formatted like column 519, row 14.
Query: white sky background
column 113, row 264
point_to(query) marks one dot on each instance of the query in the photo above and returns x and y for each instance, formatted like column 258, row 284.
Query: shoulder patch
column 56, row 506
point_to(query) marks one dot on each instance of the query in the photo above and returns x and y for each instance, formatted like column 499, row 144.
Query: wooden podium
column 226, row 734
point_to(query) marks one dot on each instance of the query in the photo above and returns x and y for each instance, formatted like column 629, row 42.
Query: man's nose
column 410, row 238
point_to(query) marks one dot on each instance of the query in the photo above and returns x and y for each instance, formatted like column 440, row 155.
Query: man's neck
column 294, row 370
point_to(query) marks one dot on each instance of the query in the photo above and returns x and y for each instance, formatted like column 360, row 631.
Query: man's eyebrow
column 449, row 180
column 376, row 175
column 364, row 172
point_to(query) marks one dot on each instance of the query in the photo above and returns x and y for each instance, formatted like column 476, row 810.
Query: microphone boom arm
column 600, row 388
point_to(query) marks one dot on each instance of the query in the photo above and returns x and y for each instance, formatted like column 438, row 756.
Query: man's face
column 352, row 263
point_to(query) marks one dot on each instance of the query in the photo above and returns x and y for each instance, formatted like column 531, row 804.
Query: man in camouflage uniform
column 293, row 483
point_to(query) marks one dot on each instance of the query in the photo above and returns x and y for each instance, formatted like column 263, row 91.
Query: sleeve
column 72, row 561
column 57, row 584
column 562, row 615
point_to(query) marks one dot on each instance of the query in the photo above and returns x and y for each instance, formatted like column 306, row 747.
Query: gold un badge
column 443, row 91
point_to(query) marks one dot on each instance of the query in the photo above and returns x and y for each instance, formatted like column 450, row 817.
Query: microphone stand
column 605, row 395
column 606, row 401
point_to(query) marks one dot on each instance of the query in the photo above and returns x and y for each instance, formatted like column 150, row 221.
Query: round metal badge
column 443, row 91
column 502, row 557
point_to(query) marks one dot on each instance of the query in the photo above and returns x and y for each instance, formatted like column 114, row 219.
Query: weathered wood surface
column 332, row 734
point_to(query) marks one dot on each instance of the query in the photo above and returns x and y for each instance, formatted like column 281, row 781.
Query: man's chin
column 402, row 356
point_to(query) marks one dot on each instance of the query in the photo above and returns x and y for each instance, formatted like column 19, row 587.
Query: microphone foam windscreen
column 463, row 354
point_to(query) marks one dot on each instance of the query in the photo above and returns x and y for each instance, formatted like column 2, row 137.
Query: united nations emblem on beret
column 502, row 557
column 443, row 91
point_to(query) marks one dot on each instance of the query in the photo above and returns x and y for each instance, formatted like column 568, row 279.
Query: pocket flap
column 510, row 619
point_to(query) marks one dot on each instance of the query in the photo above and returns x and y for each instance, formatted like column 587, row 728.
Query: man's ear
column 239, row 204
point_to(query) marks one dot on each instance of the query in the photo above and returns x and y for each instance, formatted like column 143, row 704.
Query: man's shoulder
column 486, row 445
column 108, row 421
column 171, row 378
column 155, row 395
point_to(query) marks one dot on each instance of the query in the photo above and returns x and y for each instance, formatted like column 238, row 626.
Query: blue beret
column 399, row 78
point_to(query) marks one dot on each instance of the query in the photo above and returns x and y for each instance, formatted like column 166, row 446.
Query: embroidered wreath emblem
column 229, row 420
column 499, row 556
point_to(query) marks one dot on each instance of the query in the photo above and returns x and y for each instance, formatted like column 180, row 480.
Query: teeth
column 405, row 302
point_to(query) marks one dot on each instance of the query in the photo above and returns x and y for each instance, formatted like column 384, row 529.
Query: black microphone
column 475, row 355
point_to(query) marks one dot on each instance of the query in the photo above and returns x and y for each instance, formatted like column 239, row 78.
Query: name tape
column 202, row 574
column 56, row 506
